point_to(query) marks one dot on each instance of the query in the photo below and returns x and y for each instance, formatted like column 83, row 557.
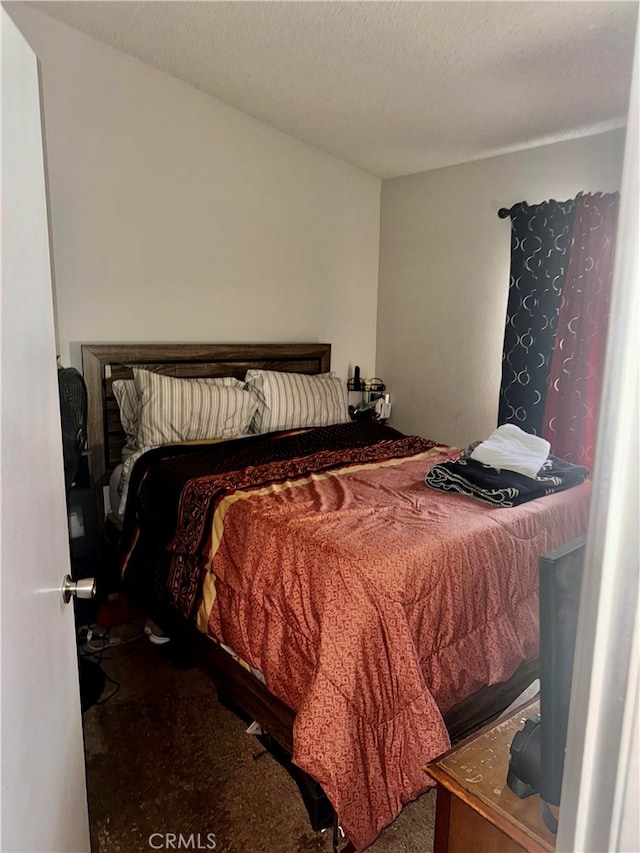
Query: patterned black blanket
column 503, row 488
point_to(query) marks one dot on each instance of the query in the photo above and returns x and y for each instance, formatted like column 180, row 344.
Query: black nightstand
column 371, row 391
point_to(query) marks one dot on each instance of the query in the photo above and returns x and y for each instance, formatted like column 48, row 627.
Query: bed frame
column 102, row 363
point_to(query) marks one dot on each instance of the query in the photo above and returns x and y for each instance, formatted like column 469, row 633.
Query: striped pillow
column 127, row 399
column 290, row 400
column 174, row 409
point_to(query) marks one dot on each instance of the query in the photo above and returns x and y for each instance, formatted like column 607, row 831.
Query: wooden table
column 475, row 810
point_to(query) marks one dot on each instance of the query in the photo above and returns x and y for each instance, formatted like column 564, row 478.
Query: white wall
column 444, row 278
column 177, row 218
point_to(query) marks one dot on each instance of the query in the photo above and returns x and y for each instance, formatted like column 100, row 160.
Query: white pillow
column 513, row 449
column 129, row 405
column 174, row 409
column 128, row 400
column 290, row 400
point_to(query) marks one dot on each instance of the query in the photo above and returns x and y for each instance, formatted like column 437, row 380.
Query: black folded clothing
column 503, row 488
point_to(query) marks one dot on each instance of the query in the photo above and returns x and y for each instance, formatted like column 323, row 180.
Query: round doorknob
column 84, row 588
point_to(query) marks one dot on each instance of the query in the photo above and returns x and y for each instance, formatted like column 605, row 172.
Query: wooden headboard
column 102, row 363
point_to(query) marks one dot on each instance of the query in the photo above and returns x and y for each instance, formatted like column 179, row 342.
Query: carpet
column 165, row 758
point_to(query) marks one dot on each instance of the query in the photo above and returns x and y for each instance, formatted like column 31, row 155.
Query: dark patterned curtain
column 571, row 411
column 557, row 315
column 540, row 240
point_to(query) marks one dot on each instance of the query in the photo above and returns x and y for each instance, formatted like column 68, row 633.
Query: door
column 44, row 798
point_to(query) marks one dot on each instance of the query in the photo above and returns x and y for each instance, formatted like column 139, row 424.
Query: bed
column 272, row 545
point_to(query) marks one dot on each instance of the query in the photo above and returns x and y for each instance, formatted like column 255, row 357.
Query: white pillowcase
column 124, row 391
column 173, row 409
column 291, row 400
column 128, row 400
column 513, row 449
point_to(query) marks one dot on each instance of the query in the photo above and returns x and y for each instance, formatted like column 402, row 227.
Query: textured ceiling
column 392, row 87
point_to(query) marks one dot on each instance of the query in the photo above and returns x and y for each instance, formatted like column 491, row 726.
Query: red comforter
column 372, row 604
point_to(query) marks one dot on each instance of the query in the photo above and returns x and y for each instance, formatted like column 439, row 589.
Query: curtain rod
column 504, row 211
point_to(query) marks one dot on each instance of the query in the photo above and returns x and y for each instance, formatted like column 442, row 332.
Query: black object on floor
column 178, row 653
column 92, row 681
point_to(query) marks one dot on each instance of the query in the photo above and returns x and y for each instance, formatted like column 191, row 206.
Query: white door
column 44, row 798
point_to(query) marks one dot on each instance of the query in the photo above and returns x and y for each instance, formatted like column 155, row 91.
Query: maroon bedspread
column 152, row 516
column 370, row 603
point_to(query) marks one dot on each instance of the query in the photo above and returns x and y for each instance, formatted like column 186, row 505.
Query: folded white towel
column 514, row 449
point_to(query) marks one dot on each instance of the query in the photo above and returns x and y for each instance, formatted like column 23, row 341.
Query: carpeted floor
column 164, row 757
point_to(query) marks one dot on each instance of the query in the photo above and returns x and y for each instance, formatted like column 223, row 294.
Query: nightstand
column 475, row 810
